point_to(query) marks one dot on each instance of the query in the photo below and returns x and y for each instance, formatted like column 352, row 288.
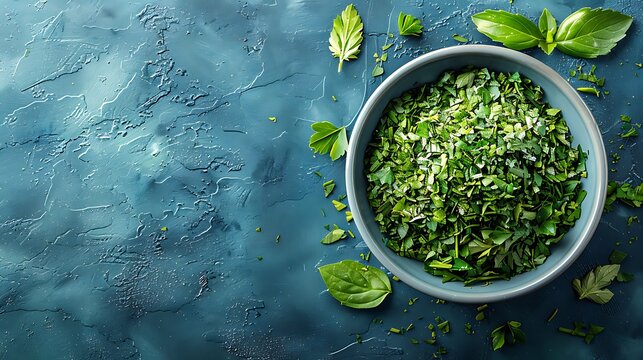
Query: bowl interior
column 558, row 93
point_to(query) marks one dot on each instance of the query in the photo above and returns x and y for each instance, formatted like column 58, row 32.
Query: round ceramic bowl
column 558, row 93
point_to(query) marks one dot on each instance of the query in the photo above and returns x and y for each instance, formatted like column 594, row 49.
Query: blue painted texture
column 121, row 118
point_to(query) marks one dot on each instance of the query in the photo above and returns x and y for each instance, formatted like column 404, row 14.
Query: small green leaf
column 409, row 25
column 329, row 186
column 339, row 206
column 356, row 285
column 593, row 284
column 459, row 38
column 346, row 36
column 327, row 138
column 589, row 90
column 378, row 70
column 334, row 235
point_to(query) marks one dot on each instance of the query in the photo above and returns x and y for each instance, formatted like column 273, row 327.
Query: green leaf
column 593, row 284
column 385, row 175
column 547, row 26
column 409, row 25
column 588, row 33
column 339, row 205
column 356, row 285
column 329, row 186
column 617, row 257
column 465, row 79
column 459, row 38
column 334, row 235
column 512, row 30
column 346, row 36
column 378, row 70
column 328, row 138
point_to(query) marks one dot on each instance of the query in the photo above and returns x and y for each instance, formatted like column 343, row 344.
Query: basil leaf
column 334, row 235
column 409, row 25
column 547, row 26
column 512, row 30
column 328, row 138
column 346, row 36
column 588, row 33
column 356, row 285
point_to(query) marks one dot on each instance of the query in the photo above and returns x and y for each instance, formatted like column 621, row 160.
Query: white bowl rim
column 575, row 100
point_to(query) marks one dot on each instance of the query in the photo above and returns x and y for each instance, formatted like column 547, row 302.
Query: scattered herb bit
column 468, row 328
column 395, row 278
column 349, row 216
column 632, row 219
column 350, row 233
column 459, row 38
column 628, row 129
column 553, row 315
column 481, row 168
column 507, row 333
column 414, row 341
column 444, row 326
column 386, row 47
column 346, row 36
column 327, row 138
column 615, row 157
column 164, row 228
column 586, row 33
column 327, row 227
column 318, row 174
column 258, row 229
column 259, row 258
column 639, row 65
column 624, row 277
column 366, row 257
column 581, row 330
column 395, row 330
column 334, row 98
column 409, row 25
column 430, row 341
column 441, row 351
column 482, row 307
column 589, row 90
column 412, row 301
column 277, row 238
column 334, row 236
column 384, row 57
column 356, row 285
column 329, row 186
column 440, row 301
column 341, row 197
column 572, row 73
column 410, row 327
column 617, row 257
column 339, row 205
column 480, row 316
column 358, row 338
column 378, row 70
column 625, row 192
column 272, row 118
column 593, row 286
column 323, row 213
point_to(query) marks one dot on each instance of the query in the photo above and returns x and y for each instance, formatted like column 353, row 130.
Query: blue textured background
column 118, row 118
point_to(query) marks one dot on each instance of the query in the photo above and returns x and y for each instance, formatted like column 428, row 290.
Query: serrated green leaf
column 512, row 30
column 409, row 25
column 593, row 284
column 327, row 138
column 356, row 285
column 588, row 33
column 346, row 36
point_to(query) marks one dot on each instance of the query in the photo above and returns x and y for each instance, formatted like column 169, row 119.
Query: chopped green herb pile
column 474, row 175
